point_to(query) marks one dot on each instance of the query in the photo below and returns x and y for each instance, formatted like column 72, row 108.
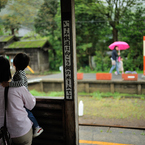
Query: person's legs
column 23, row 140
column 32, row 118
column 117, row 69
column 112, row 68
column 122, row 67
column 37, row 129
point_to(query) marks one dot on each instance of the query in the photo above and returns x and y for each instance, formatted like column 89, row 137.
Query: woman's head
column 5, row 73
column 116, row 47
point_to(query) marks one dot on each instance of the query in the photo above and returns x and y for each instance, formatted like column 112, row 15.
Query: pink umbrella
column 121, row 45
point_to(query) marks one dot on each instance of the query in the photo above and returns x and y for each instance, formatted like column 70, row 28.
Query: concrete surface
column 90, row 135
column 90, row 76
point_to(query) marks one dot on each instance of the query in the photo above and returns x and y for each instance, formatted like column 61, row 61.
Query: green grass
column 111, row 108
column 36, row 93
column 50, row 94
column 100, row 95
column 56, row 94
column 107, row 105
column 49, row 72
column 42, row 73
column 96, row 95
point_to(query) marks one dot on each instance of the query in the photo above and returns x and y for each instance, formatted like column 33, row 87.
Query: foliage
column 103, row 63
column 36, row 93
column 3, row 3
column 94, row 94
column 20, row 12
column 93, row 33
column 114, row 95
column 89, row 31
column 97, row 22
column 113, row 11
column 85, row 70
column 44, row 22
column 50, row 94
column 132, row 31
column 1, row 30
column 11, row 23
column 110, row 108
column 47, row 24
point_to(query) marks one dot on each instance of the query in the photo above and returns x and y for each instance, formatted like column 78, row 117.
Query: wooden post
column 112, row 87
column 87, row 87
column 70, row 71
column 144, row 55
column 41, row 86
column 139, row 89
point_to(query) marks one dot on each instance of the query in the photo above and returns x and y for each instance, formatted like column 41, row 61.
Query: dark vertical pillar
column 70, row 71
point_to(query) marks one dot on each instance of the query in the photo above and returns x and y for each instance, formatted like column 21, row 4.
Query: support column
column 41, row 86
column 87, row 88
column 70, row 71
column 144, row 55
column 143, row 76
column 112, row 88
column 139, row 89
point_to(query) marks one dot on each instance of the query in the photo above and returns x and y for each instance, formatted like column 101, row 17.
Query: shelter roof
column 6, row 38
column 28, row 44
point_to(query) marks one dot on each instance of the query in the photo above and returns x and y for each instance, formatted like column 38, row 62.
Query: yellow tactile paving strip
column 100, row 143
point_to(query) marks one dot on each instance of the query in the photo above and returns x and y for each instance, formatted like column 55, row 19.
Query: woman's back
column 18, row 122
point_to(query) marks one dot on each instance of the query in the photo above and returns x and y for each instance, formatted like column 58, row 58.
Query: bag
column 113, row 62
column 4, row 134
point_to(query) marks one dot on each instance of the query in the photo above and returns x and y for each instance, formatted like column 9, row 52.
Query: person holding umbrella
column 117, row 46
column 114, row 59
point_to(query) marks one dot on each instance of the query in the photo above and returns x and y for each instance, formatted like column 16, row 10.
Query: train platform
column 86, row 76
column 90, row 135
column 98, row 135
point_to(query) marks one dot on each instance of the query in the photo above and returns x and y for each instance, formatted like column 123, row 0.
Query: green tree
column 90, row 32
column 11, row 23
column 44, row 22
column 3, row 3
column 113, row 11
column 47, row 23
column 20, row 12
column 132, row 31
column 1, row 30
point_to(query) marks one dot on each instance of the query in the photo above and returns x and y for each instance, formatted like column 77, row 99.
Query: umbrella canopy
column 121, row 45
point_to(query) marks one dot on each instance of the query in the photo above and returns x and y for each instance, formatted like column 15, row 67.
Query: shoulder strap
column 6, row 99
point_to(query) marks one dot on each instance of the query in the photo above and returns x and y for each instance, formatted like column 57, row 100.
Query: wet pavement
column 86, row 76
column 91, row 135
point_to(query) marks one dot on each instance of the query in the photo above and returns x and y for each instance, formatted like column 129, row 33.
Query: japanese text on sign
column 67, row 59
